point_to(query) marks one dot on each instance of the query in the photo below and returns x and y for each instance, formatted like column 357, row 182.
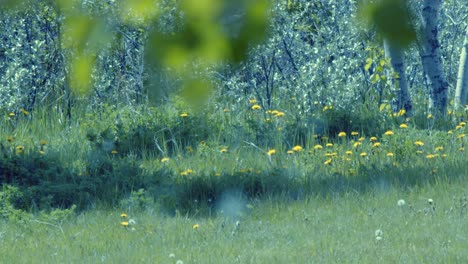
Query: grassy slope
column 315, row 230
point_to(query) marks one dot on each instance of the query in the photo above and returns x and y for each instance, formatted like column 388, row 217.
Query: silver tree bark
column 395, row 53
column 431, row 58
column 461, row 92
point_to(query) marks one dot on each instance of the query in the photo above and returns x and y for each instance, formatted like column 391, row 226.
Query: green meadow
column 88, row 192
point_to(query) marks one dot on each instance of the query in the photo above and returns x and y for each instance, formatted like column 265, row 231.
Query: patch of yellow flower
column 256, row 107
column 297, row 148
column 329, row 145
column 164, row 160
column 252, row 101
column 373, row 139
column 19, row 149
column 439, row 148
column 184, row 115
column 328, row 162
column 390, row 154
column 419, row 143
column 376, row 145
column 342, row 134
column 349, row 152
column 363, row 154
column 289, row 152
column 388, row 133
column 114, row 152
column 318, row 147
column 403, row 126
column 271, row 152
column 224, row 150
column 195, row 226
column 186, row 172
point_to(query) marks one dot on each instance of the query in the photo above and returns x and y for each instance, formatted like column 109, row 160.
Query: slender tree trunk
column 431, row 58
column 395, row 53
column 461, row 92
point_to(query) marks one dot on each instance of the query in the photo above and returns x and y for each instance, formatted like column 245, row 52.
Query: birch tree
column 431, row 58
column 394, row 52
column 461, row 90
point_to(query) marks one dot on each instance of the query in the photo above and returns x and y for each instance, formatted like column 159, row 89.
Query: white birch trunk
column 395, row 53
column 431, row 58
column 461, row 92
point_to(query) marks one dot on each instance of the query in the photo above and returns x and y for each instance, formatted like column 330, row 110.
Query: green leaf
column 368, row 64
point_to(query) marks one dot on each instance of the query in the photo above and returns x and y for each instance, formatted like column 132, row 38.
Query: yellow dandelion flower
column 357, row 144
column 10, row 139
column 271, row 152
column 41, row 152
column 461, row 136
column 318, row 147
column 443, row 155
column 114, row 152
column 390, row 154
column 373, row 139
column 450, row 132
column 123, row 215
column 349, row 152
column 461, row 149
column 280, row 114
column 439, row 148
column 124, row 223
column 361, row 139
column 26, row 113
column 165, row 159
column 19, row 149
column 363, row 154
column 328, row 162
column 224, row 150
column 289, row 152
column 342, row 134
column 225, row 110
column 419, row 152
column 189, row 171
column 252, row 101
column 388, row 133
column 430, row 156
column 462, row 124
column 403, row 126
column 256, row 107
column 11, row 114
column 184, row 115
column 195, row 226
column 402, row 112
column 184, row 173
column 419, row 143
column 376, row 145
column 329, row 145
column 458, row 127
column 429, row 116
column 354, row 133
column 297, row 148
column 274, row 112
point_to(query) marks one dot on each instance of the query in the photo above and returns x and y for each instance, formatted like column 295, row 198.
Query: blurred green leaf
column 392, row 20
column 80, row 76
column 138, row 11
